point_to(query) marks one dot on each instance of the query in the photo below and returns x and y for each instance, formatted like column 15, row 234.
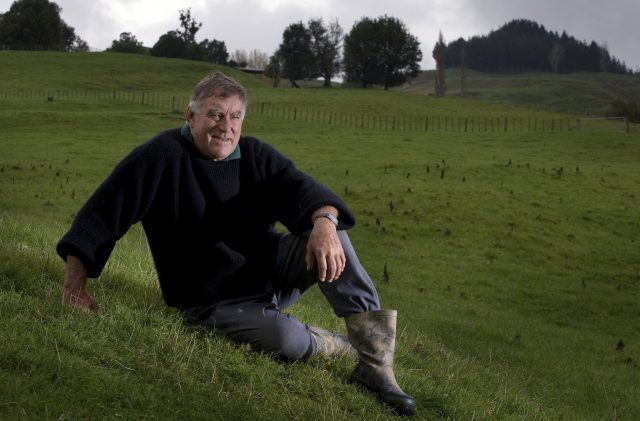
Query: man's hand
column 74, row 293
column 325, row 248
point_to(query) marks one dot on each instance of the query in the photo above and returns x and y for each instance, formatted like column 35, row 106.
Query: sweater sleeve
column 294, row 195
column 120, row 201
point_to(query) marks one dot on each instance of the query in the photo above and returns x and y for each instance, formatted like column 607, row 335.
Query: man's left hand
column 325, row 248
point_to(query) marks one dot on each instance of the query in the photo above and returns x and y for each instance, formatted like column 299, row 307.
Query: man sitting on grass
column 208, row 199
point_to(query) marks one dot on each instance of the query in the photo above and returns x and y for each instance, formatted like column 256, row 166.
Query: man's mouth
column 221, row 138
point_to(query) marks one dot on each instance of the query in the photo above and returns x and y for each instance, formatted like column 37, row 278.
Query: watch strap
column 327, row 215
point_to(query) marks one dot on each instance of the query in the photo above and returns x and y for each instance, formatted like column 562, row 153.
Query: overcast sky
column 258, row 24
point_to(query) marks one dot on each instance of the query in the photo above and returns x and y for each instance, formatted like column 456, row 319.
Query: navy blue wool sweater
column 209, row 225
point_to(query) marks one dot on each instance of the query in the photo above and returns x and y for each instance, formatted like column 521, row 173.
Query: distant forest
column 523, row 46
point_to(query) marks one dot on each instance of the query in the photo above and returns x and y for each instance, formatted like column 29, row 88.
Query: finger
column 340, row 268
column 322, row 268
column 308, row 258
column 331, row 268
column 340, row 264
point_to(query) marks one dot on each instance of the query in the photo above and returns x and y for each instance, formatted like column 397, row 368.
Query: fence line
column 414, row 124
column 434, row 123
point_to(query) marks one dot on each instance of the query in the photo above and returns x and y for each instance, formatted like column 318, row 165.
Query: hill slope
column 578, row 93
column 55, row 70
column 511, row 257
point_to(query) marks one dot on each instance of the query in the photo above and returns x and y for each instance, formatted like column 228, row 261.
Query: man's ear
column 188, row 115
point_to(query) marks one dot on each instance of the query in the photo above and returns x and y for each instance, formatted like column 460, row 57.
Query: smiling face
column 216, row 124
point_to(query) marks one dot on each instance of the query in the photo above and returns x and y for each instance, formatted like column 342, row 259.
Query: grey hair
column 216, row 84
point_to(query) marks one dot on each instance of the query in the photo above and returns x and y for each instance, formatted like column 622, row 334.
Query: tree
column 127, row 43
column 439, row 55
column 522, row 45
column 37, row 25
column 258, row 59
column 325, row 47
column 380, row 51
column 556, row 56
column 273, row 69
column 254, row 59
column 215, row 51
column 360, row 54
column 296, row 55
column 628, row 109
column 79, row 45
column 189, row 27
column 400, row 51
column 605, row 58
column 181, row 43
column 170, row 45
column 463, row 67
column 240, row 57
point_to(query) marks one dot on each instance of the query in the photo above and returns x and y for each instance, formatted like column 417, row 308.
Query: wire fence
column 435, row 123
column 416, row 124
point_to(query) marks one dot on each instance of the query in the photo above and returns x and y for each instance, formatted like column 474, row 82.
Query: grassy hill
column 512, row 258
column 577, row 93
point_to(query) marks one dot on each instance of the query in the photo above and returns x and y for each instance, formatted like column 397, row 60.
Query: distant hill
column 580, row 93
column 526, row 46
column 105, row 70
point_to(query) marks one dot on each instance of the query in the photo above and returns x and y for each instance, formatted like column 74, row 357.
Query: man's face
column 216, row 125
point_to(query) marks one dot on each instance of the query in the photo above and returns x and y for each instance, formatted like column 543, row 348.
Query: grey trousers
column 259, row 319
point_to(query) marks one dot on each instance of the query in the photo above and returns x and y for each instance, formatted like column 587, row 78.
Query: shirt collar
column 186, row 133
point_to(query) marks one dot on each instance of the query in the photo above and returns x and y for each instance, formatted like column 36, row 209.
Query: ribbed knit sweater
column 209, row 224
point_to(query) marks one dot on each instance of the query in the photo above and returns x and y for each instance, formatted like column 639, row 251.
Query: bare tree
column 556, row 56
column 240, row 57
column 258, row 59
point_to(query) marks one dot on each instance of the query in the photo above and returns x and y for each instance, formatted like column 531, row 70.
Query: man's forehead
column 226, row 101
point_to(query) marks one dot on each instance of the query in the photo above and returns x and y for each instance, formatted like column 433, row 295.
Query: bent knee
column 291, row 344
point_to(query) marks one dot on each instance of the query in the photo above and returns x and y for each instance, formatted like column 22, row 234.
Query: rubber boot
column 330, row 343
column 373, row 335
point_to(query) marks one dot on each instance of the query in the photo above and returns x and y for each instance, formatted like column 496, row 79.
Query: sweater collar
column 186, row 133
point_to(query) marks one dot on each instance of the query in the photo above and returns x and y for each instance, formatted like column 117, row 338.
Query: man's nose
column 225, row 122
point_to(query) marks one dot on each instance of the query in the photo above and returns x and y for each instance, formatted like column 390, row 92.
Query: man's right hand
column 74, row 293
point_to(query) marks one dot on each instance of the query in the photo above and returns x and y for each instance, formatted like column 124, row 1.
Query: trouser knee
column 267, row 330
column 291, row 345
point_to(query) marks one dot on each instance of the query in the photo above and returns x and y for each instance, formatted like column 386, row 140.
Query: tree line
column 36, row 25
column 376, row 51
column 523, row 46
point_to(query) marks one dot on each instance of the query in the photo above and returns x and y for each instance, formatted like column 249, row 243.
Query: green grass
column 515, row 271
column 579, row 93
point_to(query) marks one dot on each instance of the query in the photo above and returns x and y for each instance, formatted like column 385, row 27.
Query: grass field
column 512, row 259
column 580, row 93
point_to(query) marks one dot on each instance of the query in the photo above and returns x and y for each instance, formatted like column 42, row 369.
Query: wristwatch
column 327, row 215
